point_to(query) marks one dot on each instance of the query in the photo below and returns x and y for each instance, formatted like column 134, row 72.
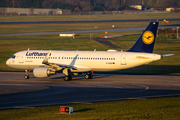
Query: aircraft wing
column 59, row 66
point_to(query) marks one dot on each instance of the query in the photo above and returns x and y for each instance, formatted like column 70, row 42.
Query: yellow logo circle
column 148, row 37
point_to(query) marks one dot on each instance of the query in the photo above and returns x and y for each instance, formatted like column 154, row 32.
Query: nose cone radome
column 8, row 62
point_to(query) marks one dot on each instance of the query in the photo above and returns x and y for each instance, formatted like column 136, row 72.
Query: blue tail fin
column 146, row 41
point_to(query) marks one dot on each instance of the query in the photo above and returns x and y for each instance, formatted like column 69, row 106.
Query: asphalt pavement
column 103, row 87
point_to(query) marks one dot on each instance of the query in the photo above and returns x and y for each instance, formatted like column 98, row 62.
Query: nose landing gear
column 27, row 74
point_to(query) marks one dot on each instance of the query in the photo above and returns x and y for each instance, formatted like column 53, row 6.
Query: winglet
column 46, row 58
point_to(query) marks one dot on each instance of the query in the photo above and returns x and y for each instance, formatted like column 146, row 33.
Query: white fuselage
column 94, row 60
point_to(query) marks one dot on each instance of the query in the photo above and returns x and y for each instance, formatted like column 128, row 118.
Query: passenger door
column 21, row 58
column 123, row 59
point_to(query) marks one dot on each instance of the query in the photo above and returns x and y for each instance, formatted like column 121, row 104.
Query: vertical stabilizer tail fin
column 146, row 41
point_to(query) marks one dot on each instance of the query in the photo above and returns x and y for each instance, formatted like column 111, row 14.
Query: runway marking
column 16, row 84
column 23, row 107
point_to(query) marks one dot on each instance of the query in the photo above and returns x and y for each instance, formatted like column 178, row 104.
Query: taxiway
column 17, row 92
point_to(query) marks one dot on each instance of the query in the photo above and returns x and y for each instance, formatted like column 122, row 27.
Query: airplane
column 45, row 63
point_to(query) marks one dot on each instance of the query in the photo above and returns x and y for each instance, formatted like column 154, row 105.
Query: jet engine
column 42, row 72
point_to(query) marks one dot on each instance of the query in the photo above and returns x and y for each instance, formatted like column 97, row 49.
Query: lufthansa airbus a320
column 47, row 62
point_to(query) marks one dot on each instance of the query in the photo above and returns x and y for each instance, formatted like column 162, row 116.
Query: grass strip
column 53, row 27
column 90, row 17
column 151, row 109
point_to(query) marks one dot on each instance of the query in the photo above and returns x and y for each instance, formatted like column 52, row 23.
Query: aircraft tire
column 67, row 78
column 26, row 77
column 88, row 76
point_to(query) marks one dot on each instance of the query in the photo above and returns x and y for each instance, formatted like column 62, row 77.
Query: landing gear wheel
column 67, row 78
column 26, row 76
column 88, row 76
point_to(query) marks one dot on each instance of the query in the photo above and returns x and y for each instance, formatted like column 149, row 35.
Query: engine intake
column 42, row 72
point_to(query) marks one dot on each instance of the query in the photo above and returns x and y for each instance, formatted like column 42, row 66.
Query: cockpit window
column 13, row 56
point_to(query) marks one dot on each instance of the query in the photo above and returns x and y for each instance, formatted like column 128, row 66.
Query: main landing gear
column 27, row 74
column 88, row 76
column 69, row 77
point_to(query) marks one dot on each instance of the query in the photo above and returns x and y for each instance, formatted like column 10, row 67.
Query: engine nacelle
column 42, row 72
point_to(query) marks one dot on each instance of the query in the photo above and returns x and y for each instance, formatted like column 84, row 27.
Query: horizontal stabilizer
column 167, row 55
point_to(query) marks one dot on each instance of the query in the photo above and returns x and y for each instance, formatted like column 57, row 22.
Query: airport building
column 33, row 11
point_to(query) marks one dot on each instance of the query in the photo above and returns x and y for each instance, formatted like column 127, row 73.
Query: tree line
column 89, row 5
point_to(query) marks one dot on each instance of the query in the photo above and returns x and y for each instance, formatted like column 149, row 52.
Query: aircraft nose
column 8, row 62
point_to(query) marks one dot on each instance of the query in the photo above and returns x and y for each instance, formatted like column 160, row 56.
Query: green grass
column 30, row 28
column 90, row 17
column 151, row 109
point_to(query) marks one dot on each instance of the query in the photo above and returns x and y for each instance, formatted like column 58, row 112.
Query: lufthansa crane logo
column 148, row 37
